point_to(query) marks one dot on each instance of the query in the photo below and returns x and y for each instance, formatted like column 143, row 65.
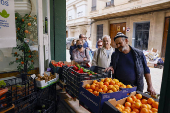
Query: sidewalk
column 156, row 76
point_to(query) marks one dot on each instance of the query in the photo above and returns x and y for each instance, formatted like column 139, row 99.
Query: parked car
column 68, row 42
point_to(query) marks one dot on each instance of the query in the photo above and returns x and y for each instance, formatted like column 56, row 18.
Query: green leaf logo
column 4, row 14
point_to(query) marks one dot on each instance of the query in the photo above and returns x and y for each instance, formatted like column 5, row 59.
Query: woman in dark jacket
column 72, row 47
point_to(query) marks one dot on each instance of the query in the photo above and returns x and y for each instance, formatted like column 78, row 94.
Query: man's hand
column 84, row 59
column 109, row 68
column 151, row 90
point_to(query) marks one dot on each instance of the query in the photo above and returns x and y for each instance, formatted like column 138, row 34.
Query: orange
column 138, row 96
column 22, row 20
column 29, row 24
column 92, row 87
column 95, row 93
column 119, row 105
column 105, row 89
column 144, row 101
column 97, row 88
column 26, row 31
column 106, row 83
column 101, row 86
column 134, row 98
column 100, row 83
column 116, row 86
column 112, row 82
column 144, row 106
column 29, row 15
column 154, row 110
column 100, row 90
column 18, row 28
column 128, row 108
column 133, row 112
column 150, row 100
column 149, row 106
column 150, row 111
column 144, row 110
column 128, row 86
column 129, row 99
column 155, row 105
column 138, row 100
column 136, row 110
column 97, row 85
column 90, row 90
column 87, row 86
column 127, row 104
column 137, row 105
column 94, row 81
column 118, row 83
column 120, row 109
column 110, row 87
column 114, row 89
column 124, row 112
column 102, row 80
column 107, row 80
column 133, row 106
column 110, row 91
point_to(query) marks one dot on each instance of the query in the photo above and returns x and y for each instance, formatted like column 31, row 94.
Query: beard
column 123, row 48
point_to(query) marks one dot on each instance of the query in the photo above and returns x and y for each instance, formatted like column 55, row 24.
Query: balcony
column 93, row 8
column 110, row 3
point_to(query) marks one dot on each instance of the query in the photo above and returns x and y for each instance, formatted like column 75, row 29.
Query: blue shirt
column 125, row 69
column 85, row 45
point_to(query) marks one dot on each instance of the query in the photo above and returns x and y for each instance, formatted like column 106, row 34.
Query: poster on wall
column 7, row 24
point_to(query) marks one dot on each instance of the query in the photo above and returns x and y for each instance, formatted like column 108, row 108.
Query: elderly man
column 102, row 56
column 129, row 64
column 83, row 37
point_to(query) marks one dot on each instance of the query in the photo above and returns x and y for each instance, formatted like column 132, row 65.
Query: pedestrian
column 129, row 65
column 97, row 42
column 72, row 47
column 89, row 42
column 102, row 56
column 100, row 44
column 81, row 54
column 83, row 38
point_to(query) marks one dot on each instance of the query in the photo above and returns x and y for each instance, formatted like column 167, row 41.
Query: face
column 79, row 43
column 106, row 42
column 121, row 44
column 100, row 45
column 83, row 37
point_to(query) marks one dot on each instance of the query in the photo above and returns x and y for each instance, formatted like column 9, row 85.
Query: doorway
column 114, row 29
column 164, row 40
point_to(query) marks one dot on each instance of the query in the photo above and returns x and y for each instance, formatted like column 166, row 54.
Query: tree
column 26, row 28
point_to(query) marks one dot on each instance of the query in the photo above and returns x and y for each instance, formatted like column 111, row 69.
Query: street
column 156, row 76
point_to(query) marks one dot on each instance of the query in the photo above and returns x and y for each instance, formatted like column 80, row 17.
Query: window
column 70, row 17
column 93, row 8
column 141, row 35
column 110, row 3
column 80, row 14
column 99, row 31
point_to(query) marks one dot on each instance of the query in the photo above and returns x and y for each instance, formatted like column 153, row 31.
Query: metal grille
column 142, row 35
column 99, row 31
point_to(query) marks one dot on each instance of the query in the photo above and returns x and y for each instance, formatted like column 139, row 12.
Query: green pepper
column 93, row 73
column 85, row 70
column 89, row 73
column 78, row 66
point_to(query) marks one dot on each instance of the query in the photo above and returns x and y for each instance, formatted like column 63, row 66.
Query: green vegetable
column 2, row 83
column 78, row 66
column 39, row 111
column 93, row 73
column 43, row 106
column 85, row 70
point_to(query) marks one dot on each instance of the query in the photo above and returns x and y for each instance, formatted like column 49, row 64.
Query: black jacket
column 139, row 68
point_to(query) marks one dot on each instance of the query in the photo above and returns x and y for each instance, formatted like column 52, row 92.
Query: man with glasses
column 102, row 56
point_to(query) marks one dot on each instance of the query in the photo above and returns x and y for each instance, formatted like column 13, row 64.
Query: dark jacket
column 139, row 60
column 71, row 51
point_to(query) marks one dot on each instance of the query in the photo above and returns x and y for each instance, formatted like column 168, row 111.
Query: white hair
column 106, row 36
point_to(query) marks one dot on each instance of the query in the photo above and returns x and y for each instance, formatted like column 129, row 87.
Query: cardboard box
column 42, row 84
column 95, row 103
column 127, row 91
column 110, row 105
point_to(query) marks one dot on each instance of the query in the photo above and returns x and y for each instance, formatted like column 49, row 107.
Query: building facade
column 77, row 21
column 145, row 22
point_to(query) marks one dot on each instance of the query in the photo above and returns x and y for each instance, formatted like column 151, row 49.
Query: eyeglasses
column 99, row 45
